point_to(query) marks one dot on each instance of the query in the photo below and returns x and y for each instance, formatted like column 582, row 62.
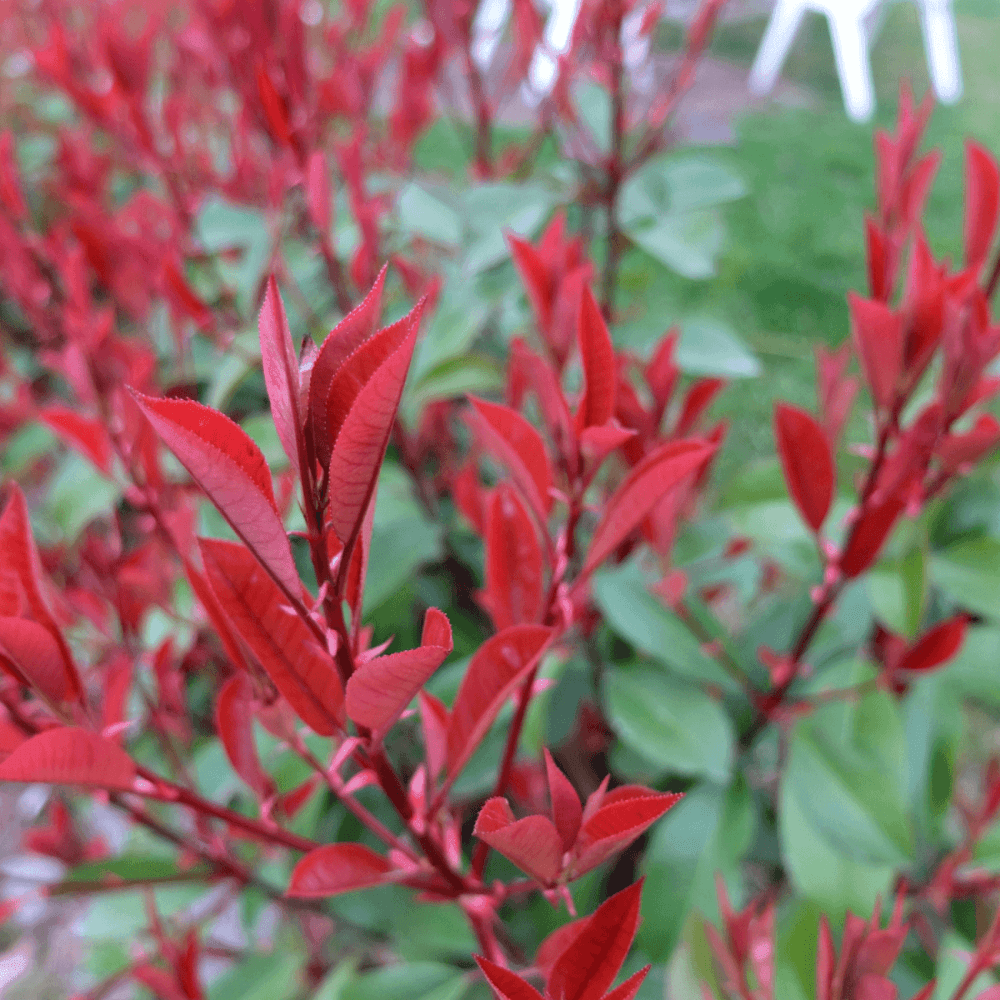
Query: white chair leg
column 778, row 38
column 555, row 42
column 487, row 30
column 850, row 49
column 941, row 43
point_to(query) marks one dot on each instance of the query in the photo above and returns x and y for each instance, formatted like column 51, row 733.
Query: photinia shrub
column 433, row 655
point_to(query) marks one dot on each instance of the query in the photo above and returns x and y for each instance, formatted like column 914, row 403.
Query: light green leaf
column 969, row 573
column 78, row 493
column 849, row 776
column 709, row 347
column 636, row 615
column 705, row 833
column 674, row 725
column 260, row 977
column 686, row 242
column 422, row 214
column 407, row 981
column 403, row 537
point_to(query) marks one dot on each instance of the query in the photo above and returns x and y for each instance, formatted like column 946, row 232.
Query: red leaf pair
column 301, row 669
column 590, row 961
column 380, row 689
column 576, row 838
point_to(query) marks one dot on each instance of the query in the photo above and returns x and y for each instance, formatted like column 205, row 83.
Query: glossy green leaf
column 673, row 724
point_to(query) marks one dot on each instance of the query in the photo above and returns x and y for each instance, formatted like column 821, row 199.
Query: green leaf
column 127, row 866
column 953, row 964
column 423, row 214
column 674, row 725
column 969, row 573
column 820, row 871
column 260, row 977
column 710, row 347
column 849, row 777
column 452, row 378
column 637, row 616
column 706, row 832
column 78, row 493
column 686, row 242
column 434, row 930
column 407, row 981
column 403, row 537
column 221, row 225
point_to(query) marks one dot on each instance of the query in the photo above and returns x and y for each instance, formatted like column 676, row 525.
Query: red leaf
column 937, row 646
column 361, row 419
column 234, row 724
column 380, row 689
column 982, row 199
column 657, row 474
column 630, row 987
column 878, row 269
column 35, row 657
column 224, row 461
column 826, row 959
column 596, row 443
column 281, row 374
column 505, row 984
column 70, row 757
column 513, row 594
column 318, row 195
column 698, row 398
column 550, row 950
column 532, row 843
column 345, row 338
column 21, row 579
column 869, row 534
column 878, row 338
column 434, row 719
column 599, row 368
column 513, row 442
column 496, row 669
column 535, row 277
column 624, row 814
column 589, row 965
column 807, row 462
column 567, row 810
column 275, row 112
column 336, row 868
column 302, row 671
column 90, row 437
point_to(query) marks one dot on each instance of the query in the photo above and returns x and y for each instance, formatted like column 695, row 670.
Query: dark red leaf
column 937, row 646
column 301, row 670
column 657, row 474
column 70, row 756
column 589, row 965
column 624, row 815
column 807, row 462
column 513, row 442
column 90, row 437
column 826, row 960
column 869, row 534
column 532, row 843
column 596, row 443
column 599, row 368
column 318, row 195
column 336, row 868
column 878, row 339
column 514, row 585
column 982, row 199
column 361, row 419
column 550, row 950
column 345, row 338
column 275, row 112
column 281, row 374
column 696, row 401
column 380, row 689
column 21, row 586
column 33, row 654
column 434, row 720
column 225, row 462
column 630, row 987
column 494, row 672
column 567, row 811
column 507, row 985
column 234, row 724
column 535, row 277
